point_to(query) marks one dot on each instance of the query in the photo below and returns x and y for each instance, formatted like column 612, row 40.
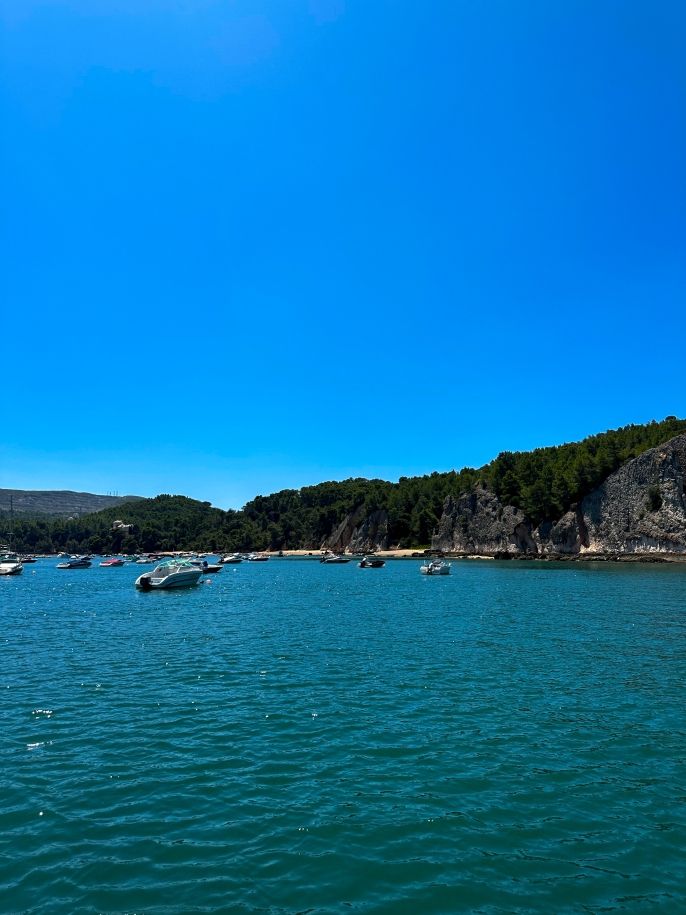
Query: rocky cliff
column 639, row 509
column 478, row 522
column 360, row 532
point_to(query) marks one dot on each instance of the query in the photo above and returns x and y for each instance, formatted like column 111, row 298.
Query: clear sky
column 254, row 244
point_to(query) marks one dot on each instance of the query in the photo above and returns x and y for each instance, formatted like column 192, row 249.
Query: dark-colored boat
column 211, row 567
column 76, row 562
column 372, row 562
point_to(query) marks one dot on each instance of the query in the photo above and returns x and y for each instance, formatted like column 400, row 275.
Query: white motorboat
column 435, row 567
column 10, row 564
column 335, row 559
column 175, row 573
column 231, row 559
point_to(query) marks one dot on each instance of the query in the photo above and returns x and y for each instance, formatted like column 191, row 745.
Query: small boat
column 111, row 563
column 76, row 562
column 205, row 566
column 10, row 564
column 26, row 559
column 231, row 558
column 435, row 567
column 257, row 557
column 175, row 573
column 372, row 562
column 334, row 559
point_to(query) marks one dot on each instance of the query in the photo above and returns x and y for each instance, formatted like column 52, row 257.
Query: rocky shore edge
column 498, row 556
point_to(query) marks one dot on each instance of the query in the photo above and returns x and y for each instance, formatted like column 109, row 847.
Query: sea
column 292, row 737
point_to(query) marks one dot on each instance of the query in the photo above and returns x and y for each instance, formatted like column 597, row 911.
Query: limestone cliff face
column 371, row 534
column 360, row 532
column 566, row 536
column 641, row 508
column 477, row 522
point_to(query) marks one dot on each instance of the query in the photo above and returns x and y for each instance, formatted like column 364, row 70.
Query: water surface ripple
column 303, row 738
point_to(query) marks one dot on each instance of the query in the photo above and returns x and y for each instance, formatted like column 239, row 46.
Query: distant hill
column 55, row 503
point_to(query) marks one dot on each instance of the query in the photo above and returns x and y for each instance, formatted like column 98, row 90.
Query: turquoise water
column 295, row 737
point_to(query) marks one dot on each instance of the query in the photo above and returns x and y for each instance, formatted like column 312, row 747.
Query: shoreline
column 421, row 555
column 496, row 557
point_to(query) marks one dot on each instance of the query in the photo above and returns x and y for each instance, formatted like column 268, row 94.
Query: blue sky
column 253, row 244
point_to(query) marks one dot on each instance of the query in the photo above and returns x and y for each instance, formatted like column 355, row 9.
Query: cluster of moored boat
column 182, row 573
column 187, row 570
column 367, row 562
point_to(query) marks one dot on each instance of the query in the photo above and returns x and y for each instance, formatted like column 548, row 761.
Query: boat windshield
column 172, row 564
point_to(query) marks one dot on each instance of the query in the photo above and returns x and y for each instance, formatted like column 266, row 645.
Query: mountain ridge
column 56, row 502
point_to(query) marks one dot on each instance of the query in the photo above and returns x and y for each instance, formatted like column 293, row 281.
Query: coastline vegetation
column 543, row 483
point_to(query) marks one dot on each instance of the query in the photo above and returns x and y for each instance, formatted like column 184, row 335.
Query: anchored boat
column 76, row 562
column 372, row 562
column 10, row 564
column 175, row 573
column 435, row 567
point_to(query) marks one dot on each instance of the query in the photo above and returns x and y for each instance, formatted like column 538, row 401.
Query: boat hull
column 11, row 568
column 186, row 579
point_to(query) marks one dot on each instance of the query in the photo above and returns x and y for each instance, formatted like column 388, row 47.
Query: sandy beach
column 317, row 554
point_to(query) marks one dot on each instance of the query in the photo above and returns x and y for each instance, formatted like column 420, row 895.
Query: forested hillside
column 543, row 483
